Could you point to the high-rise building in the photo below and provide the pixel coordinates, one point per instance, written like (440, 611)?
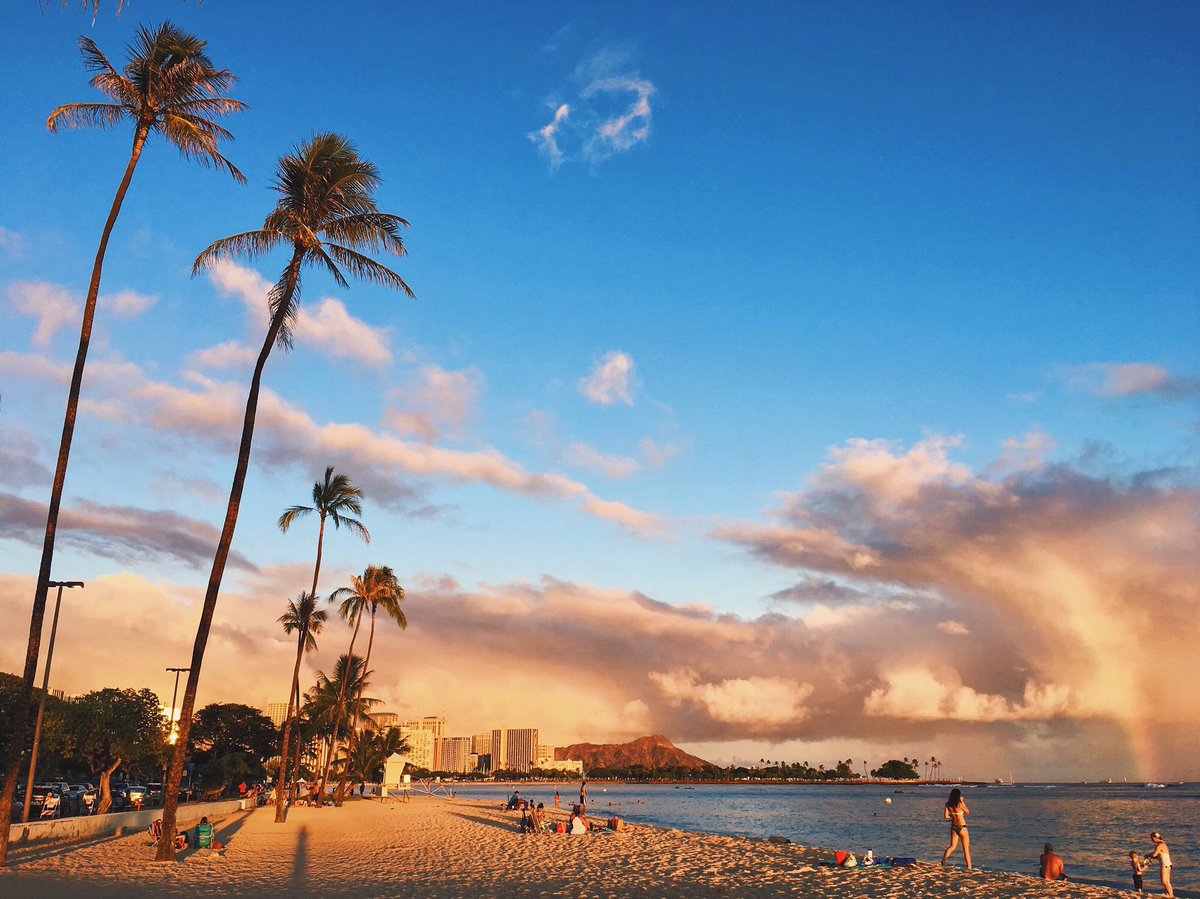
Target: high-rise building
(481, 744)
(384, 720)
(513, 749)
(454, 755)
(545, 754)
(435, 726)
(277, 711)
(420, 748)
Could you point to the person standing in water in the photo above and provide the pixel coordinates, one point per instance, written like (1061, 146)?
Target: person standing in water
(1163, 854)
(956, 812)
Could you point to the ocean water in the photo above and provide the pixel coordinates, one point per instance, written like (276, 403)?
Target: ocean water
(1093, 826)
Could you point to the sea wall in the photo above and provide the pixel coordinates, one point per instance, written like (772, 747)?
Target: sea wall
(66, 830)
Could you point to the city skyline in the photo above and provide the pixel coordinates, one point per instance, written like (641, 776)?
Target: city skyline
(796, 382)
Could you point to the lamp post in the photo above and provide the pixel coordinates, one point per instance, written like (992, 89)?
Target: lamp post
(37, 730)
(174, 736)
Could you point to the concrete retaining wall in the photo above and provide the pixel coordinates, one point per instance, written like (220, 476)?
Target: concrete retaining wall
(65, 830)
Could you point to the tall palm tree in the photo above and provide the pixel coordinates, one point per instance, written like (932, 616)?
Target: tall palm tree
(168, 87)
(325, 703)
(305, 620)
(365, 762)
(356, 601)
(332, 500)
(385, 593)
(325, 210)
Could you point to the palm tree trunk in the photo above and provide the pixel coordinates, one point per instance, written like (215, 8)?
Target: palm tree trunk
(352, 737)
(23, 708)
(287, 732)
(337, 714)
(294, 707)
(299, 745)
(166, 847)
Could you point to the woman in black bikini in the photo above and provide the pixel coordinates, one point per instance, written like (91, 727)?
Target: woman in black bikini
(956, 812)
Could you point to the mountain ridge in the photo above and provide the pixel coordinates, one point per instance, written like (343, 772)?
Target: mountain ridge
(653, 751)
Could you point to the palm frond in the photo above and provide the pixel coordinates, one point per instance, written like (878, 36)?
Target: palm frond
(291, 515)
(198, 142)
(321, 256)
(367, 269)
(86, 115)
(354, 526)
(249, 243)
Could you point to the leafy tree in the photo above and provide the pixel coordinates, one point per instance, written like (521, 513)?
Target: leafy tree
(367, 757)
(896, 769)
(326, 210)
(108, 728)
(226, 728)
(168, 87)
(332, 500)
(305, 620)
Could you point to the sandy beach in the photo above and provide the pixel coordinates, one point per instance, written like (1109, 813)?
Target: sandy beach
(445, 848)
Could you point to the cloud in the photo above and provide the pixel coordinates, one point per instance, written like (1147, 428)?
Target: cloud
(770, 701)
(545, 137)
(623, 130)
(657, 455)
(611, 381)
(123, 533)
(616, 468)
(436, 402)
(1050, 564)
(916, 693)
(52, 305)
(12, 244)
(1133, 379)
(286, 435)
(328, 328)
(609, 112)
(128, 303)
(230, 354)
(19, 465)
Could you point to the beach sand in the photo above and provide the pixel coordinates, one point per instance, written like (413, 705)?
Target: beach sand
(445, 848)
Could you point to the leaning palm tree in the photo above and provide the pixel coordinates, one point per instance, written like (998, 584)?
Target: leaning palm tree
(326, 209)
(305, 620)
(332, 500)
(387, 594)
(168, 87)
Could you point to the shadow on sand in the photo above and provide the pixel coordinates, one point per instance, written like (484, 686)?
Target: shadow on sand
(300, 864)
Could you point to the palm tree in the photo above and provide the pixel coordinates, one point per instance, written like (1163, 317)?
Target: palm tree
(168, 87)
(305, 620)
(365, 762)
(331, 500)
(383, 592)
(326, 705)
(326, 208)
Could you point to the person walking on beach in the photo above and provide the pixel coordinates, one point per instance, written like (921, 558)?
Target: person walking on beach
(557, 800)
(1139, 866)
(1163, 854)
(1052, 864)
(583, 796)
(956, 812)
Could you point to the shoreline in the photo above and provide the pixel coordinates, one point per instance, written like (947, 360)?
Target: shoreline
(444, 848)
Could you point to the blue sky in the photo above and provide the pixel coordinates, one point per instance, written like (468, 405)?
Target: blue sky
(963, 236)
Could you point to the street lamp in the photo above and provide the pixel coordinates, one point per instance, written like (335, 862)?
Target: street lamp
(174, 736)
(37, 730)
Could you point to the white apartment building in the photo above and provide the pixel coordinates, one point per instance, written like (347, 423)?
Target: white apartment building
(277, 712)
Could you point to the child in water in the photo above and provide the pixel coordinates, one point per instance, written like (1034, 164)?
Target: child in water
(1139, 868)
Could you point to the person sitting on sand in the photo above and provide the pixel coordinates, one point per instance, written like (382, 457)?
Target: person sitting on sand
(1163, 854)
(578, 823)
(536, 818)
(956, 812)
(513, 801)
(1052, 864)
(1139, 866)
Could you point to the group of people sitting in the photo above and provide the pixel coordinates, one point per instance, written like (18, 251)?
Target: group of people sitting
(533, 818)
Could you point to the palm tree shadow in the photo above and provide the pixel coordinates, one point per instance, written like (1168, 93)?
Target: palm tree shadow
(490, 822)
(300, 863)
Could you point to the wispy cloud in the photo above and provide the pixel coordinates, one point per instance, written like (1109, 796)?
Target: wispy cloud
(611, 381)
(124, 533)
(53, 306)
(616, 468)
(12, 244)
(605, 111)
(1132, 379)
(230, 354)
(128, 303)
(435, 402)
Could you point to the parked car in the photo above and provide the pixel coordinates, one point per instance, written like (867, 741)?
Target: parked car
(135, 794)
